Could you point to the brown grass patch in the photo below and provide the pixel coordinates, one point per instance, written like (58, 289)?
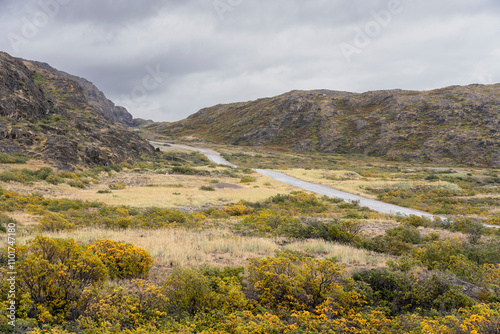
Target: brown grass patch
(220, 248)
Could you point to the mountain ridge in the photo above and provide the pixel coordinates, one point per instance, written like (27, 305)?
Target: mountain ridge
(456, 124)
(95, 97)
(48, 116)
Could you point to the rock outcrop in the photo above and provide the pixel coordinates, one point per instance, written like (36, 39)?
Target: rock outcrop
(94, 96)
(47, 115)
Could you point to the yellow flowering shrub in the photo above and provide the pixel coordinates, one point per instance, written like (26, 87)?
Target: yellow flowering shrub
(51, 275)
(238, 209)
(122, 260)
(54, 222)
(294, 282)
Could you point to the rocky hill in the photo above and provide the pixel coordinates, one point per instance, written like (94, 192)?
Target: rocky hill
(450, 125)
(93, 96)
(49, 115)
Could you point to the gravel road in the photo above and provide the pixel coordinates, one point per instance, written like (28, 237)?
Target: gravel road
(316, 188)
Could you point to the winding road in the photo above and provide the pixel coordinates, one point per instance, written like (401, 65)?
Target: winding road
(375, 205)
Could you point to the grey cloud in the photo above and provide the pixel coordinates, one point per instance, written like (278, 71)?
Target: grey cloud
(259, 48)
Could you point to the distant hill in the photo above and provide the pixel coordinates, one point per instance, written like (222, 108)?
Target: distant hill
(61, 118)
(450, 125)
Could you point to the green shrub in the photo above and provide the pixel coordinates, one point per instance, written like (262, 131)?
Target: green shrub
(13, 158)
(297, 201)
(405, 233)
(449, 256)
(248, 179)
(63, 204)
(192, 291)
(53, 179)
(385, 244)
(76, 184)
(403, 263)
(5, 221)
(188, 170)
(117, 168)
(416, 221)
(207, 188)
(17, 175)
(165, 215)
(473, 228)
(400, 292)
(43, 173)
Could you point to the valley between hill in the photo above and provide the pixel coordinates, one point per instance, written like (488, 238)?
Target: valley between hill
(105, 234)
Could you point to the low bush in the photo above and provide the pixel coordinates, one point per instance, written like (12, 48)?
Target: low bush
(385, 244)
(493, 221)
(117, 186)
(335, 231)
(51, 275)
(188, 170)
(416, 221)
(248, 179)
(473, 228)
(76, 184)
(122, 260)
(239, 209)
(406, 233)
(18, 175)
(401, 293)
(297, 202)
(5, 221)
(52, 222)
(396, 241)
(295, 282)
(190, 291)
(13, 158)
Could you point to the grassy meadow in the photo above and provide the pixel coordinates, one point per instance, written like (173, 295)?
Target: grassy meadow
(177, 244)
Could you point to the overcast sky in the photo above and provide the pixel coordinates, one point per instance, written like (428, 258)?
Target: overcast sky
(166, 59)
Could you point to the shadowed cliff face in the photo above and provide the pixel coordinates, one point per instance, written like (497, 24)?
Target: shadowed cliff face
(49, 116)
(449, 125)
(20, 97)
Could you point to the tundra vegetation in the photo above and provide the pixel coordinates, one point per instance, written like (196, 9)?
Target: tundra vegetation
(290, 262)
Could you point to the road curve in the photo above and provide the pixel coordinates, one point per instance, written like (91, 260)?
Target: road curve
(375, 205)
(330, 192)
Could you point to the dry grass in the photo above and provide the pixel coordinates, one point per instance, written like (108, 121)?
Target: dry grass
(354, 183)
(178, 191)
(25, 220)
(220, 248)
(149, 189)
(30, 164)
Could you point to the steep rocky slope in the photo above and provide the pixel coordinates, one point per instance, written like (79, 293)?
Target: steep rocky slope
(47, 115)
(93, 95)
(450, 125)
